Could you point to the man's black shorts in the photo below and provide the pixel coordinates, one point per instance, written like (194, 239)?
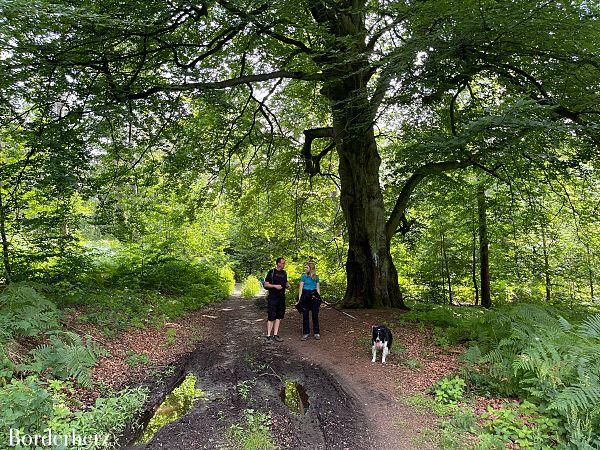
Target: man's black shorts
(275, 307)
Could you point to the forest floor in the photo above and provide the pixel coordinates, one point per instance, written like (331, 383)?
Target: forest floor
(353, 403)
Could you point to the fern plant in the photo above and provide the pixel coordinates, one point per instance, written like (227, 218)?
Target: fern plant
(554, 363)
(66, 356)
(24, 312)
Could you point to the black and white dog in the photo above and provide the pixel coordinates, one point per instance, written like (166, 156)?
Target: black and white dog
(382, 340)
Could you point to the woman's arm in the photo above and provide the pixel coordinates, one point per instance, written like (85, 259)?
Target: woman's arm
(319, 288)
(300, 286)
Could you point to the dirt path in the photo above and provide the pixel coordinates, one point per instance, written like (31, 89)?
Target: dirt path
(353, 404)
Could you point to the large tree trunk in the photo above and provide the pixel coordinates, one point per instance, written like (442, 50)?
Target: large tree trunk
(371, 276)
(486, 298)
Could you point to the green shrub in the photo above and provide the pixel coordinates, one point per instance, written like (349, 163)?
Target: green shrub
(108, 416)
(250, 287)
(227, 280)
(116, 309)
(449, 390)
(7, 367)
(412, 363)
(25, 406)
(524, 426)
(134, 359)
(171, 276)
(535, 353)
(441, 338)
(243, 388)
(29, 408)
(170, 336)
(168, 276)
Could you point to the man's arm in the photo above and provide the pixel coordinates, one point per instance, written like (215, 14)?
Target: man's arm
(269, 280)
(268, 283)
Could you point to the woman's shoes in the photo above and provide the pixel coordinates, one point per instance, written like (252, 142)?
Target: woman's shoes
(305, 337)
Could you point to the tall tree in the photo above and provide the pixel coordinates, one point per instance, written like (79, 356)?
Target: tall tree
(364, 56)
(484, 259)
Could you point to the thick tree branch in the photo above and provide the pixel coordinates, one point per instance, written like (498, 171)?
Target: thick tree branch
(222, 84)
(312, 163)
(383, 84)
(398, 214)
(375, 37)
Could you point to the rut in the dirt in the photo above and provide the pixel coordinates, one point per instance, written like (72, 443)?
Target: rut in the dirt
(233, 353)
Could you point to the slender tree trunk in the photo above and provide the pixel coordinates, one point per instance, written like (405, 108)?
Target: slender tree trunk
(445, 257)
(442, 275)
(546, 264)
(474, 260)
(5, 250)
(590, 271)
(486, 298)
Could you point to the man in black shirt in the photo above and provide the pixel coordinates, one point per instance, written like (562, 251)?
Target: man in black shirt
(276, 283)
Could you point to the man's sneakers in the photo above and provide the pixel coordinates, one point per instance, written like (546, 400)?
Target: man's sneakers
(277, 338)
(268, 339)
(274, 338)
(317, 336)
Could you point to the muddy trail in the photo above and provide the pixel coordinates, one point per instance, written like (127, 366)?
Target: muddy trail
(233, 353)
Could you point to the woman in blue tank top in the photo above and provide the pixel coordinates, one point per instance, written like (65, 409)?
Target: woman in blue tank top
(309, 296)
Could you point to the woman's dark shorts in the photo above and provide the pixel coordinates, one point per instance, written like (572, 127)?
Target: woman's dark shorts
(275, 308)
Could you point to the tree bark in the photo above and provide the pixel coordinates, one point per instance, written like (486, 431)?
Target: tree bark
(5, 245)
(546, 264)
(372, 279)
(446, 266)
(442, 274)
(486, 298)
(474, 260)
(590, 271)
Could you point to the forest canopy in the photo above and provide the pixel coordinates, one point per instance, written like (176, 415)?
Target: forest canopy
(444, 151)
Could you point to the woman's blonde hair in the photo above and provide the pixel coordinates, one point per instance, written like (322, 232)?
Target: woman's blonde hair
(312, 273)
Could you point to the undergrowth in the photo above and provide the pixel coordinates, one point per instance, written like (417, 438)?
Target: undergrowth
(31, 406)
(548, 357)
(37, 353)
(254, 433)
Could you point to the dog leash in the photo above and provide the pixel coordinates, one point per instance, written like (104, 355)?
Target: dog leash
(349, 315)
(338, 310)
